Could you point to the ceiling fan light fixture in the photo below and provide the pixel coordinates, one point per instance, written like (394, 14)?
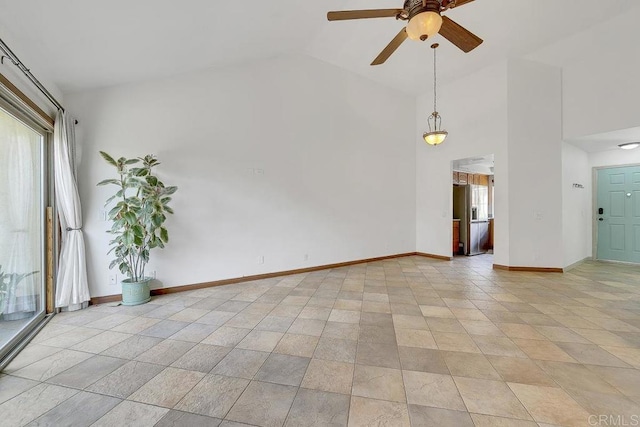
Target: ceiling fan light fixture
(424, 25)
(629, 145)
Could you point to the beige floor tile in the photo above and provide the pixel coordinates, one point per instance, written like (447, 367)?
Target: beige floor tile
(28, 406)
(378, 354)
(415, 338)
(297, 345)
(602, 337)
(486, 328)
(551, 405)
(435, 311)
(52, 365)
(326, 375)
(480, 327)
(226, 336)
(345, 304)
(32, 353)
(490, 398)
(166, 352)
(469, 314)
(628, 355)
(275, 324)
(560, 334)
(370, 413)
(427, 416)
(287, 311)
(260, 340)
(402, 321)
(335, 349)
(452, 326)
(346, 331)
(318, 313)
(311, 327)
(470, 365)
(607, 404)
(625, 380)
(543, 350)
(489, 421)
(436, 390)
(573, 376)
(201, 358)
(189, 315)
(167, 388)
(136, 325)
(375, 307)
(314, 408)
(423, 360)
(591, 354)
(378, 383)
(498, 346)
(517, 330)
(524, 371)
(455, 342)
(344, 316)
(213, 396)
(376, 297)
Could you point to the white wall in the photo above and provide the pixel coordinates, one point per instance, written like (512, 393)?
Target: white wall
(336, 150)
(576, 205)
(600, 68)
(474, 111)
(614, 158)
(535, 164)
(17, 78)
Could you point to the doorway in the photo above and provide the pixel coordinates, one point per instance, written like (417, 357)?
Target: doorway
(23, 201)
(618, 214)
(473, 205)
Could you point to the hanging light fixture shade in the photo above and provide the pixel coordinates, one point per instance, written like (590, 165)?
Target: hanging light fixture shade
(435, 135)
(424, 25)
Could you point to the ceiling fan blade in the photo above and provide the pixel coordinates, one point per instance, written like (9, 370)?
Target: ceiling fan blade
(362, 14)
(458, 35)
(461, 2)
(391, 47)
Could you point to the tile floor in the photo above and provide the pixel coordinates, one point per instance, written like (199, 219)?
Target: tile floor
(409, 341)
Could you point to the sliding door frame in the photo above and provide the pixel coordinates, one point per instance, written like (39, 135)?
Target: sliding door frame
(17, 105)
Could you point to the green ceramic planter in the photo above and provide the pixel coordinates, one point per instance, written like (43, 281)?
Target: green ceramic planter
(136, 293)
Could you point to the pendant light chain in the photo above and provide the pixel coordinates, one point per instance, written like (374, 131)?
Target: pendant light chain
(434, 79)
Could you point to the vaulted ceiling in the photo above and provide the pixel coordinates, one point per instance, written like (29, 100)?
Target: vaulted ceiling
(82, 44)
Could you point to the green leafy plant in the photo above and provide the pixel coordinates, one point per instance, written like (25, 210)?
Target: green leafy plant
(141, 208)
(8, 285)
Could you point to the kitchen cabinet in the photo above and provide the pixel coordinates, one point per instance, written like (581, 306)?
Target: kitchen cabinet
(462, 178)
(455, 177)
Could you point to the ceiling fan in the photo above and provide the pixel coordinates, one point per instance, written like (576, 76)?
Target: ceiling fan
(424, 20)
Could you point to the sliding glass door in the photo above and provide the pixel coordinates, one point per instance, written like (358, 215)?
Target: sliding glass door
(22, 228)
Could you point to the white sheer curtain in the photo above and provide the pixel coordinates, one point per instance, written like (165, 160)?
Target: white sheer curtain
(72, 289)
(22, 228)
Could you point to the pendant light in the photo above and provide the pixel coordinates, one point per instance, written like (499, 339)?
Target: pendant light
(436, 135)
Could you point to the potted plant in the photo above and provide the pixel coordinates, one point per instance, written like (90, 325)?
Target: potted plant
(141, 208)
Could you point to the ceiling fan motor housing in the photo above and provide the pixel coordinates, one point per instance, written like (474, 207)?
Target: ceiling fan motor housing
(415, 7)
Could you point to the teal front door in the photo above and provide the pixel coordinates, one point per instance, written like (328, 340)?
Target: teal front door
(618, 214)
